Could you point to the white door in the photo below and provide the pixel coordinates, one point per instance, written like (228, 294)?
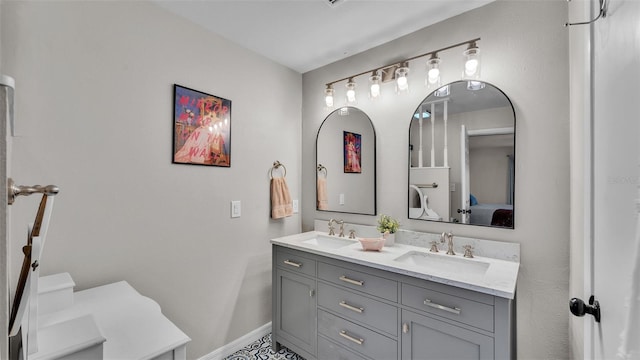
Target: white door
(615, 169)
(464, 175)
(4, 221)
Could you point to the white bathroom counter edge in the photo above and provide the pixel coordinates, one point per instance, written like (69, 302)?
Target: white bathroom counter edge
(499, 280)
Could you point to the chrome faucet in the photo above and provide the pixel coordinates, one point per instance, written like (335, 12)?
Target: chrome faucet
(331, 228)
(448, 237)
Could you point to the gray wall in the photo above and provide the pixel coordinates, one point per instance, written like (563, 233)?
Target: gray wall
(525, 53)
(94, 108)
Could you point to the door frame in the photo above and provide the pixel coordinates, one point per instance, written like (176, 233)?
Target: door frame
(4, 223)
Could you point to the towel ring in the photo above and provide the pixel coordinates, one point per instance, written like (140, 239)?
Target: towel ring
(321, 168)
(276, 165)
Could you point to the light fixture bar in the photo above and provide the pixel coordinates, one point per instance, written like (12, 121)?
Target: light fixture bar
(397, 64)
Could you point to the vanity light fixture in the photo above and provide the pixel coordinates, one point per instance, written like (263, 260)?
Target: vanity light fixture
(351, 92)
(402, 83)
(471, 56)
(374, 84)
(328, 96)
(399, 72)
(433, 72)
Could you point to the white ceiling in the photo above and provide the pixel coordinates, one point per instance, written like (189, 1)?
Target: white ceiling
(307, 34)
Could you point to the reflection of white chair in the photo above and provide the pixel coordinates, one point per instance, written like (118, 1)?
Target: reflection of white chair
(422, 212)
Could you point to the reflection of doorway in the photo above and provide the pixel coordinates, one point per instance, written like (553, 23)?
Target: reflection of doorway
(486, 156)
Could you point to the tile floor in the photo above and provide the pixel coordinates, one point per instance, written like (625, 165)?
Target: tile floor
(261, 350)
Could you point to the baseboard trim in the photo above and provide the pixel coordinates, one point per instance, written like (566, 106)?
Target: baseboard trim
(237, 344)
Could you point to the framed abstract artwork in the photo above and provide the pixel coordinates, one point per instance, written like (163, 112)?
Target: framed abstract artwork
(201, 128)
(352, 152)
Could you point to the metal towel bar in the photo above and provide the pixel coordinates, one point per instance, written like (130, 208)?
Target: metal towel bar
(276, 165)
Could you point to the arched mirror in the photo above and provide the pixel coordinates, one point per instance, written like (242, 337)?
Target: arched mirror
(462, 156)
(346, 163)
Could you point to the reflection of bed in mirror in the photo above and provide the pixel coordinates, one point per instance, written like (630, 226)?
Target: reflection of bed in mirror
(492, 214)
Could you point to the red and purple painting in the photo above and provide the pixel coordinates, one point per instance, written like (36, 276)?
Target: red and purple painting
(202, 128)
(352, 152)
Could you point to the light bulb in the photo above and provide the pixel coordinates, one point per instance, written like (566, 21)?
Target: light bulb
(374, 88)
(351, 91)
(328, 100)
(471, 57)
(470, 67)
(328, 96)
(402, 84)
(351, 95)
(434, 75)
(433, 72)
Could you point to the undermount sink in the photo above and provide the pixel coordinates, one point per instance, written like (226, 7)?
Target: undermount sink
(444, 263)
(329, 242)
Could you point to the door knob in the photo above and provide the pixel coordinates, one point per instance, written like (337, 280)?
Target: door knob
(14, 190)
(579, 308)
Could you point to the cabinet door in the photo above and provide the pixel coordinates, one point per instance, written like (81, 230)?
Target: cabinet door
(296, 311)
(427, 338)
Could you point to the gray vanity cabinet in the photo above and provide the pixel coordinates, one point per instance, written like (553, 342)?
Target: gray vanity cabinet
(294, 303)
(328, 309)
(427, 338)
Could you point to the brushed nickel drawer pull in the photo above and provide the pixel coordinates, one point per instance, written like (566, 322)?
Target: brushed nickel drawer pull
(351, 307)
(294, 264)
(351, 281)
(442, 307)
(351, 338)
(405, 328)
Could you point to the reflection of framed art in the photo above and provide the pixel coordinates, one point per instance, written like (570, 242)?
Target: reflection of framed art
(352, 152)
(201, 128)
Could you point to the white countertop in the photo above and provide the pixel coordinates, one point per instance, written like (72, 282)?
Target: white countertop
(499, 279)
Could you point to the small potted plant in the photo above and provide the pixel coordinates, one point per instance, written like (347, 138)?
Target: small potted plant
(388, 226)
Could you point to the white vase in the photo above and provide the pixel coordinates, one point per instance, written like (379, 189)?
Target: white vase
(389, 239)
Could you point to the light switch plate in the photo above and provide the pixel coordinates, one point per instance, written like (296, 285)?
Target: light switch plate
(295, 206)
(341, 199)
(236, 208)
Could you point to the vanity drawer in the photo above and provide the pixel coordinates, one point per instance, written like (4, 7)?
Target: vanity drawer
(476, 314)
(355, 337)
(330, 351)
(359, 308)
(360, 281)
(292, 261)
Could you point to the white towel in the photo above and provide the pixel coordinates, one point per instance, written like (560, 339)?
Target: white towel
(630, 345)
